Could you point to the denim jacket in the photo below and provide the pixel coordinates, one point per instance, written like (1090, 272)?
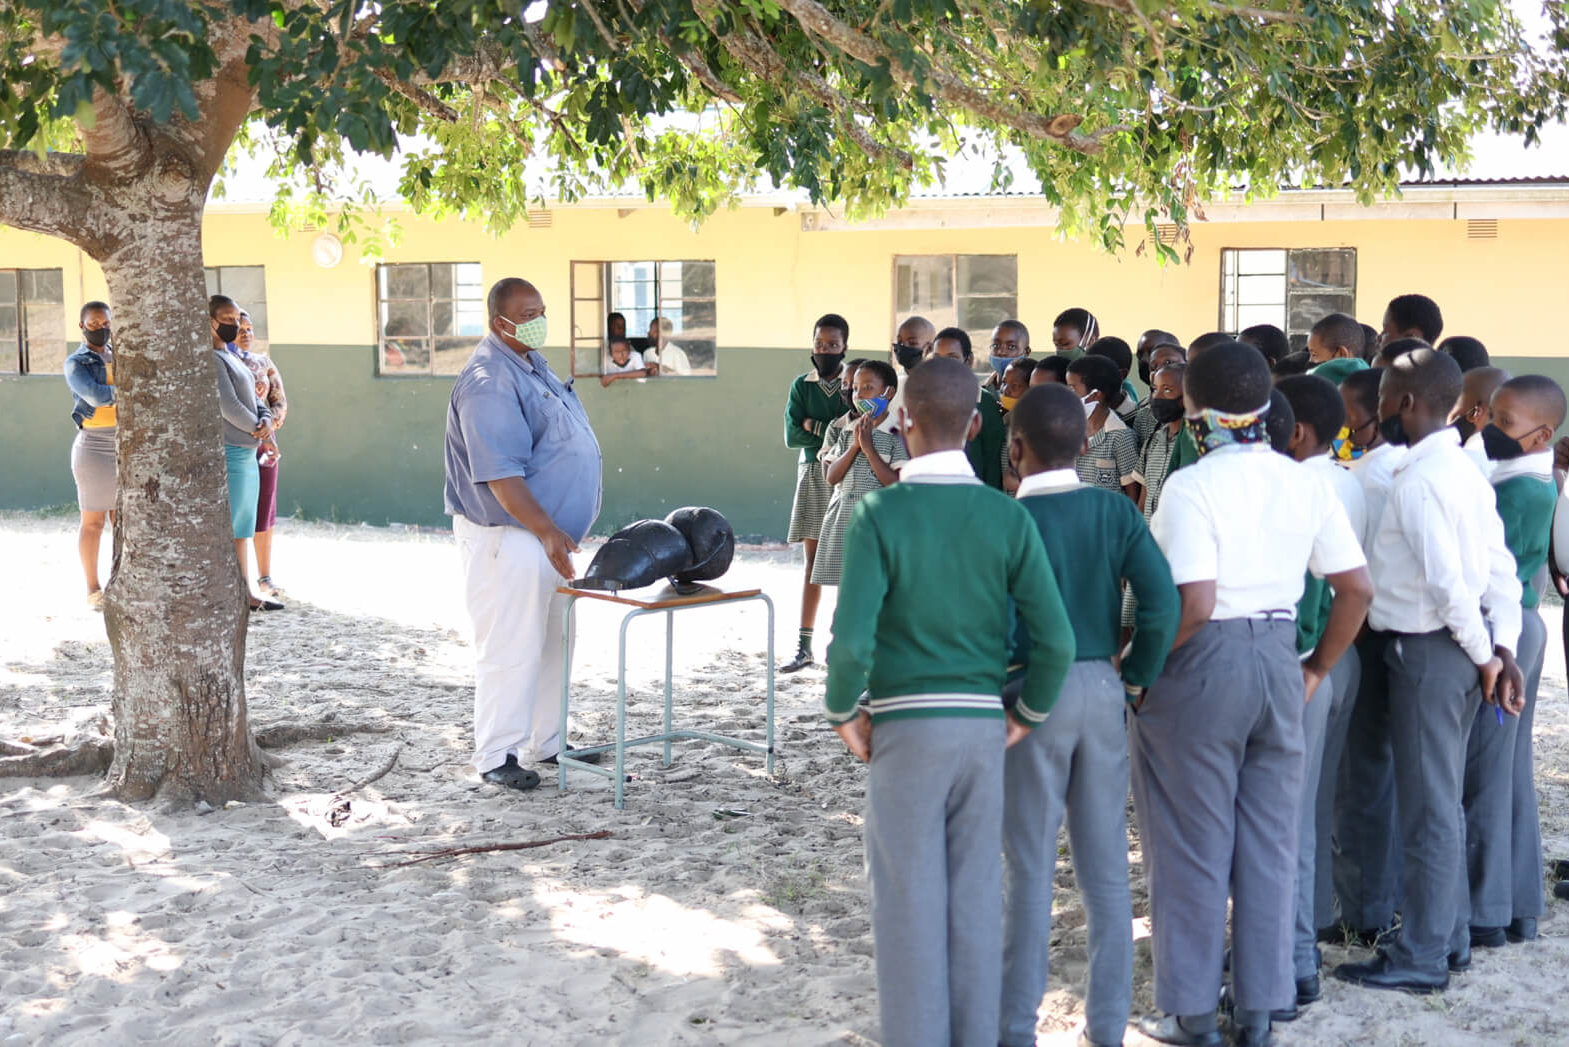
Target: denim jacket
(87, 377)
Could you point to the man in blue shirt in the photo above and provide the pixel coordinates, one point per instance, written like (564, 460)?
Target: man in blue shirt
(523, 488)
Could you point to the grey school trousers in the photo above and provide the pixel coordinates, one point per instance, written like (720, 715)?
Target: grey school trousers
(1503, 841)
(1322, 716)
(1346, 678)
(1077, 759)
(1434, 693)
(1217, 772)
(934, 861)
(1367, 837)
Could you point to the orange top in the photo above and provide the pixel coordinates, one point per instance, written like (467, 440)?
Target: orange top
(103, 417)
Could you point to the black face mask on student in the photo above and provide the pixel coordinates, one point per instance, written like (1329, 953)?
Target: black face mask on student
(907, 355)
(97, 337)
(1499, 445)
(1144, 371)
(827, 364)
(1466, 428)
(1166, 411)
(1394, 430)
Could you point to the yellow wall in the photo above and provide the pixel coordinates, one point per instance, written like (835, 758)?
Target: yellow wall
(774, 279)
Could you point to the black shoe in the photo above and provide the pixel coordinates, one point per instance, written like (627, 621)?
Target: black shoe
(1248, 1037)
(803, 658)
(1167, 1029)
(1357, 937)
(512, 776)
(1559, 868)
(264, 603)
(1488, 938)
(1521, 930)
(576, 754)
(1460, 961)
(1383, 973)
(1307, 990)
(1285, 1014)
(1561, 890)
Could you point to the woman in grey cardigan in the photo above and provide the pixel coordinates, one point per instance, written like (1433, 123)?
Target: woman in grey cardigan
(247, 423)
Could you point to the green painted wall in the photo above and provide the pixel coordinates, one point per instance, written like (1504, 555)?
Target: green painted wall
(361, 448)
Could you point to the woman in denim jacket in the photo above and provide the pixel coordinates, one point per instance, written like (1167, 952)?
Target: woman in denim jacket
(89, 372)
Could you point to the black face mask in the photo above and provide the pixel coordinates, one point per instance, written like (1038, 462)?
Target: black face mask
(907, 355)
(1466, 428)
(1144, 372)
(1166, 411)
(1394, 430)
(97, 337)
(228, 332)
(827, 364)
(1499, 445)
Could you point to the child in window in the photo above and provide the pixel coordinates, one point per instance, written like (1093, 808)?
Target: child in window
(625, 362)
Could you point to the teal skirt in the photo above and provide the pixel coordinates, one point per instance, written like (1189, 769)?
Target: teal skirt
(244, 485)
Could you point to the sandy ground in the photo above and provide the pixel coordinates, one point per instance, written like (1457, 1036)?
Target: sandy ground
(726, 908)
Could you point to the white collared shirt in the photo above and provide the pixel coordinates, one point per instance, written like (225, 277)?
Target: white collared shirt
(939, 465)
(1254, 522)
(1051, 481)
(1376, 471)
(1439, 558)
(1476, 450)
(1538, 464)
(1347, 488)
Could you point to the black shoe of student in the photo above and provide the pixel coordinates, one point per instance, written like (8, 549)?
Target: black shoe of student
(1285, 1014)
(1460, 960)
(1561, 890)
(1167, 1029)
(1558, 868)
(1521, 930)
(576, 754)
(1381, 972)
(1243, 1036)
(512, 776)
(1488, 938)
(803, 658)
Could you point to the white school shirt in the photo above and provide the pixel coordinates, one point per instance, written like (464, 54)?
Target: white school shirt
(634, 363)
(946, 465)
(1348, 489)
(1255, 522)
(1438, 559)
(1477, 451)
(1376, 471)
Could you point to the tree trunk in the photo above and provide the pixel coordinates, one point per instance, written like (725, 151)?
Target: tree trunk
(176, 604)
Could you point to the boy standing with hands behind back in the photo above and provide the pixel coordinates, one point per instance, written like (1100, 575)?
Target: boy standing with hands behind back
(925, 634)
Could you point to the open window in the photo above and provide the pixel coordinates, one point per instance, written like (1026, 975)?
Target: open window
(1291, 288)
(653, 318)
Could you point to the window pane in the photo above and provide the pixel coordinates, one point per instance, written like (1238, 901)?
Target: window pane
(1335, 268)
(982, 314)
(452, 353)
(8, 286)
(1261, 290)
(988, 274)
(10, 335)
(441, 313)
(45, 329)
(404, 281)
(212, 280)
(246, 284)
(1248, 315)
(587, 280)
(258, 313)
(43, 285)
(697, 280)
(441, 285)
(403, 319)
(1251, 263)
(1309, 309)
(405, 356)
(922, 284)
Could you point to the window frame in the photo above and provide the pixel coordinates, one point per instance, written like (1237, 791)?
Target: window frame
(263, 329)
(950, 318)
(593, 338)
(429, 337)
(19, 351)
(1233, 325)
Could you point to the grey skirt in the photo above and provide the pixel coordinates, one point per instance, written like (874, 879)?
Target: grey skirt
(93, 466)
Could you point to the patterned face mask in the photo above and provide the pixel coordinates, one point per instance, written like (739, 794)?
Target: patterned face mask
(1343, 449)
(1214, 429)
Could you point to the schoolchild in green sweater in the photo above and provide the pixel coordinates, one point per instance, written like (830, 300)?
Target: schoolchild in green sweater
(922, 630)
(816, 398)
(1503, 833)
(986, 448)
(1078, 760)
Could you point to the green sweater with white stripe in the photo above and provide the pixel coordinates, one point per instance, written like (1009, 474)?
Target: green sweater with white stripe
(923, 618)
(1525, 505)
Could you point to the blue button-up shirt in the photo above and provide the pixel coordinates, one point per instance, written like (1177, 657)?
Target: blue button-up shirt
(511, 416)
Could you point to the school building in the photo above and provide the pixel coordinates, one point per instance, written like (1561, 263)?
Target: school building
(367, 351)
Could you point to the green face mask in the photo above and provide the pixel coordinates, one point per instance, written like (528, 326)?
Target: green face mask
(530, 332)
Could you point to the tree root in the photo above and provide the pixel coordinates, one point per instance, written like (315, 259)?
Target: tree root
(488, 848)
(92, 756)
(282, 735)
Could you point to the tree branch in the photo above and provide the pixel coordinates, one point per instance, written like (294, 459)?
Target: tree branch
(117, 147)
(420, 97)
(45, 196)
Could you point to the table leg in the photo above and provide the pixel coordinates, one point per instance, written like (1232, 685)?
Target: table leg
(566, 686)
(770, 712)
(670, 626)
(621, 713)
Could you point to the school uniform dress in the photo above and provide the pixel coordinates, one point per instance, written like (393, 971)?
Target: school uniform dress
(1217, 744)
(847, 493)
(1077, 762)
(1112, 457)
(925, 635)
(988, 452)
(1154, 465)
(817, 398)
(509, 415)
(1438, 560)
(1324, 723)
(1503, 834)
(1143, 424)
(90, 377)
(1366, 862)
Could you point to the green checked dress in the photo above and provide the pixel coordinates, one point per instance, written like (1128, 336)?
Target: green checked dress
(828, 566)
(816, 398)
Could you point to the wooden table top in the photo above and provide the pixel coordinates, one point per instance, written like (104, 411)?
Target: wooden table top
(664, 597)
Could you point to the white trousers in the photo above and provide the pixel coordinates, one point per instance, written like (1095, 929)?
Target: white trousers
(510, 589)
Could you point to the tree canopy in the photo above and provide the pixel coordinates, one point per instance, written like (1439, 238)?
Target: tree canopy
(1128, 111)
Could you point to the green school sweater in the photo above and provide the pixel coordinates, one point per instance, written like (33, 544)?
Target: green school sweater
(1094, 539)
(1337, 369)
(923, 624)
(985, 451)
(1525, 504)
(808, 400)
(1184, 452)
(1313, 612)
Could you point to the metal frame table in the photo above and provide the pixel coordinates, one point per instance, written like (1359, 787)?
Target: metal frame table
(666, 602)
